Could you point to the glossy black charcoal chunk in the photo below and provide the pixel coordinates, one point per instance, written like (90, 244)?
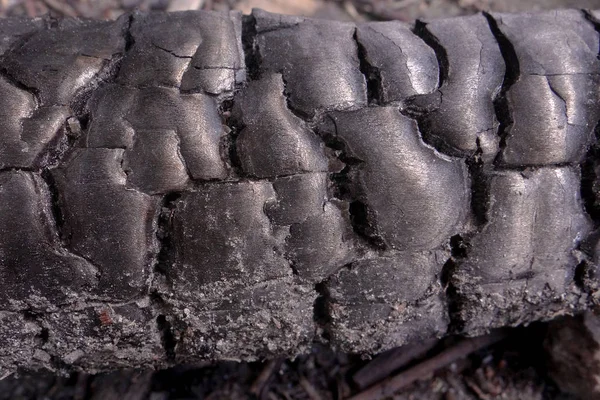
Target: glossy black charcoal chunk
(369, 185)
(462, 118)
(107, 223)
(193, 51)
(318, 60)
(555, 103)
(416, 198)
(406, 65)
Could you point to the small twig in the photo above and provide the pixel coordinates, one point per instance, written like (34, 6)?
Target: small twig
(30, 9)
(462, 349)
(390, 361)
(60, 7)
(351, 11)
(402, 4)
(260, 382)
(473, 386)
(6, 375)
(309, 389)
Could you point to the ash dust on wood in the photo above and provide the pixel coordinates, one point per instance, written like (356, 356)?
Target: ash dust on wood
(508, 364)
(512, 367)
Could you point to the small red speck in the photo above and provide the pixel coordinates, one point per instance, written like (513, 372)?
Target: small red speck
(105, 318)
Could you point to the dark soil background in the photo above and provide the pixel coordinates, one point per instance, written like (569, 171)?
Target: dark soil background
(517, 366)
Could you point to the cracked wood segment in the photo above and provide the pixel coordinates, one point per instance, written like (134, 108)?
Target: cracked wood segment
(41, 77)
(154, 163)
(107, 223)
(28, 132)
(462, 118)
(388, 301)
(415, 197)
(35, 270)
(230, 269)
(16, 30)
(224, 224)
(272, 318)
(406, 64)
(318, 60)
(190, 123)
(56, 63)
(274, 141)
(192, 50)
(320, 239)
(555, 104)
(524, 258)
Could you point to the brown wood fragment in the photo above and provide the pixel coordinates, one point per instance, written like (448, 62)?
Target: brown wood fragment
(262, 379)
(426, 368)
(61, 7)
(310, 390)
(387, 363)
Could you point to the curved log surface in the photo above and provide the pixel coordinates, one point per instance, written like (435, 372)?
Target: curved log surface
(196, 185)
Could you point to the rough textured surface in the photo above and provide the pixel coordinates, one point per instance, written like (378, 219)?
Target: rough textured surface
(412, 205)
(96, 207)
(556, 91)
(459, 117)
(191, 51)
(525, 253)
(381, 301)
(403, 62)
(189, 186)
(274, 141)
(318, 60)
(133, 119)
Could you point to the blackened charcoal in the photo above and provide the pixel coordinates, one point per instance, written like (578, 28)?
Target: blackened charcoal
(555, 104)
(406, 65)
(225, 225)
(15, 31)
(187, 125)
(384, 302)
(320, 238)
(274, 141)
(107, 223)
(463, 119)
(525, 255)
(29, 133)
(192, 50)
(416, 198)
(367, 184)
(36, 271)
(57, 63)
(318, 60)
(230, 276)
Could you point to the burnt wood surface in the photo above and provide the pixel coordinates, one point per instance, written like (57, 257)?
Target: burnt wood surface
(196, 185)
